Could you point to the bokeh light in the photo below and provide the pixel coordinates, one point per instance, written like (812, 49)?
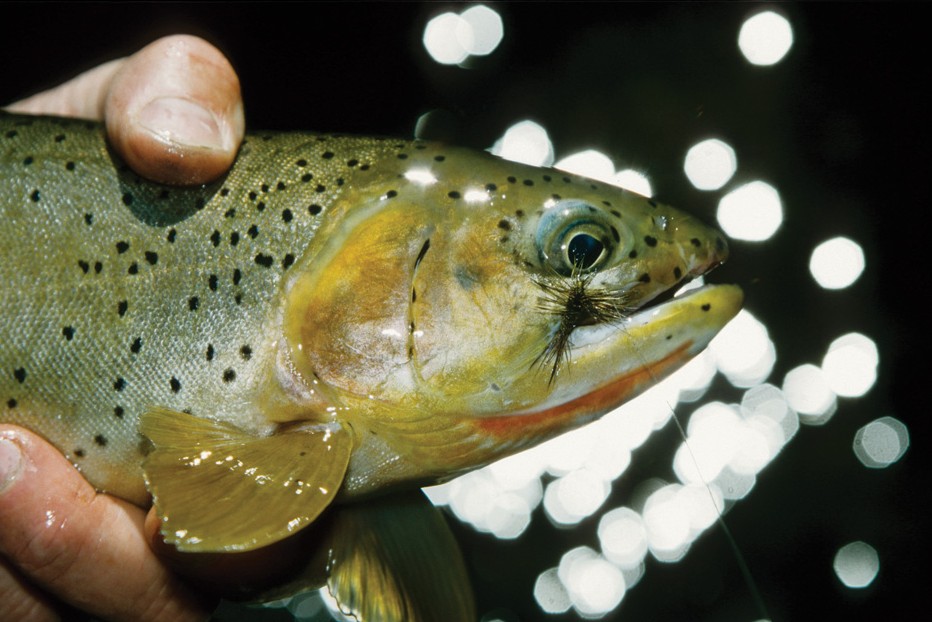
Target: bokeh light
(526, 142)
(752, 212)
(633, 180)
(623, 537)
(589, 163)
(550, 593)
(850, 365)
(450, 38)
(881, 442)
(743, 351)
(808, 393)
(710, 164)
(765, 38)
(836, 263)
(856, 564)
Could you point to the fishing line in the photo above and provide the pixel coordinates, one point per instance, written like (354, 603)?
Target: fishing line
(720, 517)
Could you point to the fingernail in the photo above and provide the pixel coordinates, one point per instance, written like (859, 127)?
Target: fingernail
(11, 463)
(183, 122)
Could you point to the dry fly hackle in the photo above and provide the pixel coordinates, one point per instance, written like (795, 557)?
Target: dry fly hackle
(575, 302)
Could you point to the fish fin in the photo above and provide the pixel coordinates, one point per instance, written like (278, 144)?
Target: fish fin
(217, 488)
(394, 559)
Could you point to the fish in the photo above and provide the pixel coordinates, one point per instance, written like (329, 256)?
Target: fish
(335, 319)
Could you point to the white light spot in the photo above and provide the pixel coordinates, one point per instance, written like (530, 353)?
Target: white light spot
(420, 176)
(623, 537)
(526, 142)
(487, 29)
(734, 485)
(597, 587)
(633, 180)
(836, 263)
(667, 523)
(856, 564)
(589, 163)
(710, 164)
(765, 38)
(807, 392)
(881, 442)
(575, 496)
(850, 365)
(476, 196)
(550, 594)
(767, 401)
(446, 38)
(743, 351)
(751, 212)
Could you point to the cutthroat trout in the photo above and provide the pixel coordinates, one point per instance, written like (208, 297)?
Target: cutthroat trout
(334, 318)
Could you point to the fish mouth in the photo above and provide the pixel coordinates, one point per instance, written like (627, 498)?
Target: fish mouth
(648, 343)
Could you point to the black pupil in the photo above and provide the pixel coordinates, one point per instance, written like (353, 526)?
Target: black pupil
(584, 250)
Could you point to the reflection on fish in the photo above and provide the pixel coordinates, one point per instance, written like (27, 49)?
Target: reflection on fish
(335, 318)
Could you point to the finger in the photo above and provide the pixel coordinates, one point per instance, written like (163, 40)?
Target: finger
(19, 600)
(85, 548)
(82, 96)
(174, 111)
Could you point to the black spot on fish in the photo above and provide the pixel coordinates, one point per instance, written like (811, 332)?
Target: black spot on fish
(89, 219)
(34, 196)
(402, 156)
(327, 155)
(20, 374)
(215, 238)
(11, 403)
(615, 234)
(650, 240)
(504, 224)
(306, 177)
(212, 282)
(519, 213)
(677, 273)
(453, 194)
(280, 185)
(644, 278)
(260, 206)
(224, 192)
(28, 160)
(352, 163)
(287, 261)
(245, 352)
(512, 179)
(152, 257)
(230, 213)
(301, 162)
(391, 194)
(229, 375)
(706, 307)
(424, 248)
(119, 384)
(265, 188)
(84, 266)
(174, 384)
(136, 345)
(101, 440)
(68, 332)
(439, 158)
(632, 254)
(615, 213)
(98, 267)
(118, 412)
(133, 268)
(171, 236)
(320, 188)
(122, 306)
(122, 247)
(69, 166)
(11, 134)
(695, 242)
(210, 352)
(254, 230)
(127, 199)
(237, 276)
(651, 203)
(528, 182)
(193, 303)
(546, 178)
(287, 215)
(555, 197)
(491, 187)
(234, 238)
(238, 298)
(719, 244)
(78, 453)
(253, 196)
(314, 209)
(264, 260)
(59, 138)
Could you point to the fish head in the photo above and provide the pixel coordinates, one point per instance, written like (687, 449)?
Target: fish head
(462, 313)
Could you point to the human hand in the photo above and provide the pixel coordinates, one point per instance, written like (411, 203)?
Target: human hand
(174, 112)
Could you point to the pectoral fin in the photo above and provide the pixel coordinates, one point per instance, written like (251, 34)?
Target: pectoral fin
(217, 488)
(394, 559)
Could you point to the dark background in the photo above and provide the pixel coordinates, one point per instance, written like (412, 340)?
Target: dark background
(838, 127)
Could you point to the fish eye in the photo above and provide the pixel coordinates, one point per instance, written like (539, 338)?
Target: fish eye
(573, 236)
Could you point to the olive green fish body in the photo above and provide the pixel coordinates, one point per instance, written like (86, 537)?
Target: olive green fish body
(335, 317)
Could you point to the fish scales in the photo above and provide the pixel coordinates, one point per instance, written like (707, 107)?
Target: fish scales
(128, 295)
